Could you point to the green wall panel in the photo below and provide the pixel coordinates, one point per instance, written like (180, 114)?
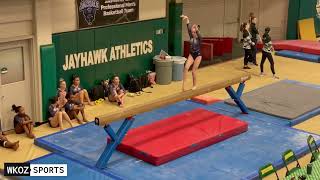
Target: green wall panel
(175, 28)
(107, 37)
(293, 17)
(71, 44)
(48, 76)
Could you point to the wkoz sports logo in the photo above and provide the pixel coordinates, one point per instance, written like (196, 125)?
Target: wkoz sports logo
(88, 8)
(27, 169)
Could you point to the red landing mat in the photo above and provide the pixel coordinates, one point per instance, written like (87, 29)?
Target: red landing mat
(179, 135)
(205, 99)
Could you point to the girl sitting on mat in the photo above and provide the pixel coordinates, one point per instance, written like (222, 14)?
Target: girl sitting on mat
(247, 43)
(195, 57)
(57, 114)
(266, 52)
(72, 107)
(22, 122)
(77, 93)
(4, 142)
(116, 91)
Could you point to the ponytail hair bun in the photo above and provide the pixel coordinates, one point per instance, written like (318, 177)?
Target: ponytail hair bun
(15, 108)
(243, 26)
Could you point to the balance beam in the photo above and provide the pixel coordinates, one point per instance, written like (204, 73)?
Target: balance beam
(232, 78)
(168, 100)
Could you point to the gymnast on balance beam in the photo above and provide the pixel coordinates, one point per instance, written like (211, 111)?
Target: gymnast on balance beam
(195, 52)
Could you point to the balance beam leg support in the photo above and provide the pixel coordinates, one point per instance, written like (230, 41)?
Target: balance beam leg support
(240, 89)
(236, 96)
(116, 139)
(111, 133)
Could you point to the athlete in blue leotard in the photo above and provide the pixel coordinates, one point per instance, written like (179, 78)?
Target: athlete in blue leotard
(195, 52)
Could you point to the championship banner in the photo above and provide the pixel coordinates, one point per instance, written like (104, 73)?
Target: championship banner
(93, 13)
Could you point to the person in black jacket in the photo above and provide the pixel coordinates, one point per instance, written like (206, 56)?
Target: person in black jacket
(246, 44)
(251, 15)
(255, 36)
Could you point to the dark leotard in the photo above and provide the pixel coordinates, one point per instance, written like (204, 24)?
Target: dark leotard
(195, 43)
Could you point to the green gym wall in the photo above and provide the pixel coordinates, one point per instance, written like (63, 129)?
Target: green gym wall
(98, 38)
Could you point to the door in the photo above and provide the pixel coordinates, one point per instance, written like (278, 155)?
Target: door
(15, 80)
(231, 18)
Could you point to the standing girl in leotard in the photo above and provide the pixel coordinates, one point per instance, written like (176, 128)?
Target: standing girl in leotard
(195, 52)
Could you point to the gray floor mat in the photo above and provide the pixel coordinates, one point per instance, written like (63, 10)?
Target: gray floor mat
(283, 99)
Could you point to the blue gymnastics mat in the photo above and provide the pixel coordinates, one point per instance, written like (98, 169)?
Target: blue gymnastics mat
(76, 170)
(298, 55)
(231, 159)
(286, 99)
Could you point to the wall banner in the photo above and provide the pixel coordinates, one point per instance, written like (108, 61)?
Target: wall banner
(93, 13)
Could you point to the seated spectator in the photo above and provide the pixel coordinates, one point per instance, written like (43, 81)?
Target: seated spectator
(77, 93)
(116, 91)
(22, 122)
(4, 142)
(57, 114)
(72, 107)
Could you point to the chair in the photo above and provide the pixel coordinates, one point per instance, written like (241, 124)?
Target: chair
(288, 157)
(267, 170)
(314, 149)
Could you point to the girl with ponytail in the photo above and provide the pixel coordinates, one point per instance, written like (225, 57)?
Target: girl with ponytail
(22, 122)
(195, 57)
(266, 53)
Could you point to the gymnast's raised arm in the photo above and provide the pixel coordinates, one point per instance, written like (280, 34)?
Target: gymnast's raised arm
(188, 24)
